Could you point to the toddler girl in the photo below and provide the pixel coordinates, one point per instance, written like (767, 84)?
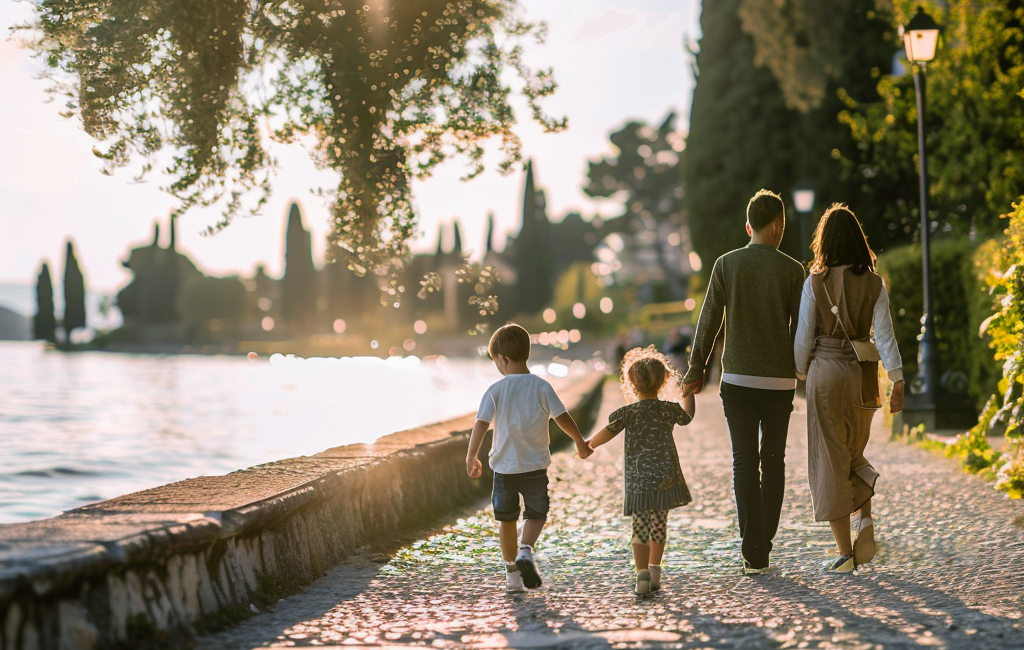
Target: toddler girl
(654, 480)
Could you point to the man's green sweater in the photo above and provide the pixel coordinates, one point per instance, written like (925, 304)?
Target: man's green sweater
(756, 291)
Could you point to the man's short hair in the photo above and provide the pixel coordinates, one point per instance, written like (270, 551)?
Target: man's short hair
(764, 208)
(512, 341)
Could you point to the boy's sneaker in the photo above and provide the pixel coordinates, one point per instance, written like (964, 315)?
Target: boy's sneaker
(528, 567)
(643, 582)
(514, 581)
(842, 564)
(864, 544)
(750, 570)
(655, 570)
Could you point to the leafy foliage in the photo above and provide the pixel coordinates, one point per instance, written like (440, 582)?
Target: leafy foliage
(380, 92)
(974, 125)
(959, 302)
(1006, 329)
(1002, 270)
(807, 45)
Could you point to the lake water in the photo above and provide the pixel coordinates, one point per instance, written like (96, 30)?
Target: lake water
(83, 427)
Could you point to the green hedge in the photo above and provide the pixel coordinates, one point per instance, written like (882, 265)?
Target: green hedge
(961, 303)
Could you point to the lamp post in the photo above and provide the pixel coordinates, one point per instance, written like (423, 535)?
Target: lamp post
(928, 403)
(803, 201)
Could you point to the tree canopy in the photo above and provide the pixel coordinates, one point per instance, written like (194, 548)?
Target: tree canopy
(645, 173)
(771, 85)
(974, 124)
(380, 92)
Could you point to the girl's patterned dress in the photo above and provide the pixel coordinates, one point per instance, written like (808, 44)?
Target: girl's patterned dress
(653, 478)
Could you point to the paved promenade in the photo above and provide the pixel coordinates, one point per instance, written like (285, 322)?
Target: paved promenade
(949, 572)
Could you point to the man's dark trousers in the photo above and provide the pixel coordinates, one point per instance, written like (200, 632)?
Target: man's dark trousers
(759, 467)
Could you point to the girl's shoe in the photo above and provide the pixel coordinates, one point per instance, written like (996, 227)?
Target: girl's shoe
(842, 564)
(643, 582)
(514, 581)
(864, 545)
(655, 570)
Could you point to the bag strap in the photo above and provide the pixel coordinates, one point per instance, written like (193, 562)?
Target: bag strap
(835, 311)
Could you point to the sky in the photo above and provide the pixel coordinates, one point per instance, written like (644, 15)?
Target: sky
(613, 61)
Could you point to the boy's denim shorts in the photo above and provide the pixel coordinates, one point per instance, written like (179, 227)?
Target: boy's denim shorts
(507, 488)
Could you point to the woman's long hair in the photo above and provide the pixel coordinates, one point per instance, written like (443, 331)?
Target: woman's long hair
(839, 240)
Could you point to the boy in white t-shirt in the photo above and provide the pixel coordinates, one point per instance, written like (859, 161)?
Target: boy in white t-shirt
(520, 405)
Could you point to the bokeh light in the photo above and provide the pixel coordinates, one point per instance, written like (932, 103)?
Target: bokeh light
(579, 310)
(267, 323)
(690, 303)
(549, 316)
(374, 345)
(575, 336)
(409, 345)
(607, 305)
(420, 327)
(695, 262)
(339, 326)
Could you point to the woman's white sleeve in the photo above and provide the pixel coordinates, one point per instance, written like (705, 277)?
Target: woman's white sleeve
(805, 329)
(885, 339)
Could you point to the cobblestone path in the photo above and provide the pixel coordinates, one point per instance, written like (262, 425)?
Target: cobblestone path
(949, 572)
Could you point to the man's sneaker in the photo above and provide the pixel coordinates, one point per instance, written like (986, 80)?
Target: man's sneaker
(643, 582)
(864, 544)
(750, 570)
(842, 564)
(528, 567)
(655, 576)
(514, 581)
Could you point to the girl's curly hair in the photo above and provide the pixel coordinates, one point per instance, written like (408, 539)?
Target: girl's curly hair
(646, 371)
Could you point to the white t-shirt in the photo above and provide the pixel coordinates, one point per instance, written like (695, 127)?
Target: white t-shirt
(520, 407)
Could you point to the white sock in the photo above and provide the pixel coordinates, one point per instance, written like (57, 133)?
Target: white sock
(511, 567)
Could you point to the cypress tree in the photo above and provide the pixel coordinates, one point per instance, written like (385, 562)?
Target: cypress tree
(299, 285)
(457, 246)
(74, 293)
(44, 325)
(741, 137)
(489, 245)
(532, 255)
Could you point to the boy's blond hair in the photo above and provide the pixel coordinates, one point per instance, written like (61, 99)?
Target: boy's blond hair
(512, 341)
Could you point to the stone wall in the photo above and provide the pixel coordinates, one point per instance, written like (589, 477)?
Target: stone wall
(153, 568)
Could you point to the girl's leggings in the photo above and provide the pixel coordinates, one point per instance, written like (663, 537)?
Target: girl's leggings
(650, 526)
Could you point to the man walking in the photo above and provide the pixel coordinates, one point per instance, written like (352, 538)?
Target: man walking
(756, 291)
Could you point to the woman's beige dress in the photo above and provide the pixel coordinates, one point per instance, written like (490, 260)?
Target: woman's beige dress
(838, 423)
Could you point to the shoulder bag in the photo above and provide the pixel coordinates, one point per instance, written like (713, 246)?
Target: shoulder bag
(867, 356)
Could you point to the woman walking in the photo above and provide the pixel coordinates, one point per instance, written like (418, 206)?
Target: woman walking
(844, 304)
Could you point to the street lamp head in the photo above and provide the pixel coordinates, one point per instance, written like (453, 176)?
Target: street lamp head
(920, 36)
(803, 197)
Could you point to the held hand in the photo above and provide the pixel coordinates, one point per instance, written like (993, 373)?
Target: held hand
(896, 398)
(692, 387)
(801, 377)
(584, 451)
(474, 468)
